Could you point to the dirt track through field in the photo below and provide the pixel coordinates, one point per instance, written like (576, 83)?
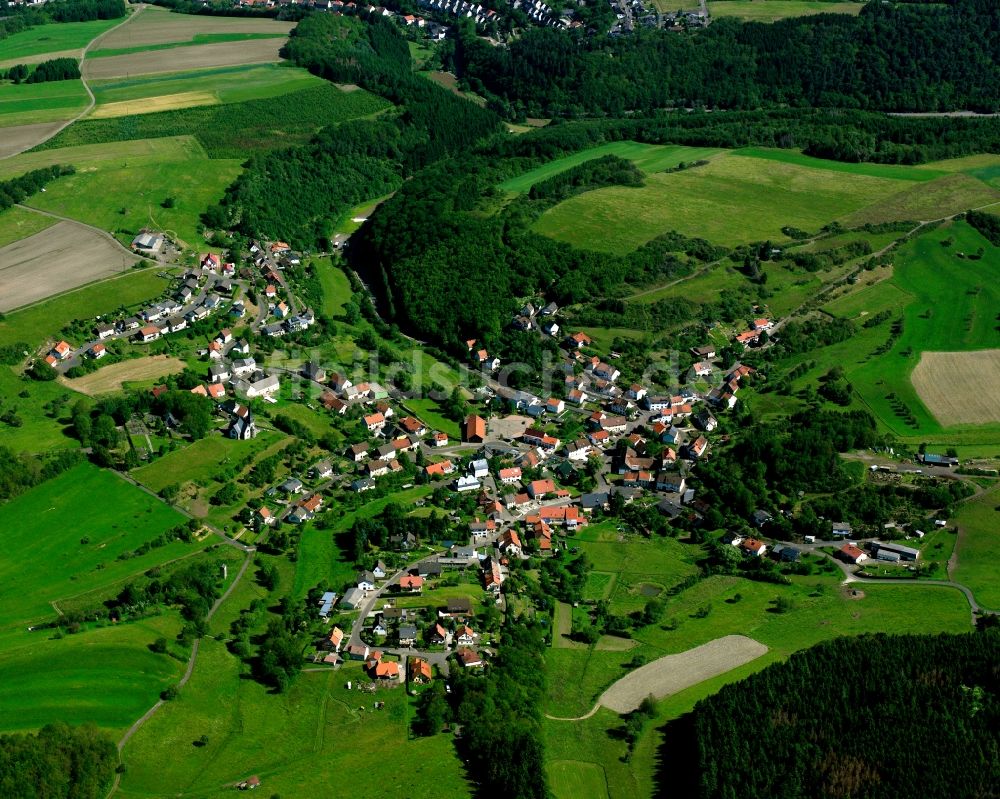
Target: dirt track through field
(201, 56)
(62, 257)
(960, 387)
(111, 378)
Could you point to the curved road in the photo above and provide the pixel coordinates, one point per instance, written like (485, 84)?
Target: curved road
(86, 86)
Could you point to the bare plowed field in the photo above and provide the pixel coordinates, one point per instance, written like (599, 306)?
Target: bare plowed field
(21, 137)
(960, 387)
(673, 673)
(157, 26)
(111, 378)
(58, 259)
(222, 54)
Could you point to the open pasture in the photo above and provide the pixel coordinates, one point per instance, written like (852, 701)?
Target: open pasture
(112, 378)
(772, 10)
(160, 26)
(952, 308)
(649, 158)
(121, 195)
(57, 259)
(960, 387)
(201, 56)
(152, 93)
(59, 542)
(35, 103)
(731, 200)
(944, 197)
(978, 522)
(53, 40)
(282, 737)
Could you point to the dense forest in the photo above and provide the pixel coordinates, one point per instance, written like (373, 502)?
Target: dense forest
(58, 762)
(881, 717)
(298, 194)
(892, 57)
(55, 69)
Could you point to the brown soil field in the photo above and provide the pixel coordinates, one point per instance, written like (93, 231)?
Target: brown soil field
(201, 56)
(158, 26)
(672, 673)
(20, 137)
(58, 259)
(960, 387)
(111, 378)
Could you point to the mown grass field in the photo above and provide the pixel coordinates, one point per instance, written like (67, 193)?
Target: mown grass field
(772, 10)
(649, 158)
(145, 94)
(233, 130)
(53, 38)
(283, 737)
(156, 26)
(121, 194)
(197, 39)
(336, 287)
(979, 548)
(430, 413)
(30, 104)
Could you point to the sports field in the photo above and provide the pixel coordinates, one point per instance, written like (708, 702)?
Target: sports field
(57, 259)
(151, 93)
(771, 10)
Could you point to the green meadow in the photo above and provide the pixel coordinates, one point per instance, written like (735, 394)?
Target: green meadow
(54, 38)
(34, 103)
(296, 742)
(336, 287)
(749, 195)
(731, 200)
(43, 410)
(947, 303)
(979, 547)
(226, 84)
(649, 158)
(60, 545)
(122, 194)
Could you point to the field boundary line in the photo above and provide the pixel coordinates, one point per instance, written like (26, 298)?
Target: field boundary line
(86, 86)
